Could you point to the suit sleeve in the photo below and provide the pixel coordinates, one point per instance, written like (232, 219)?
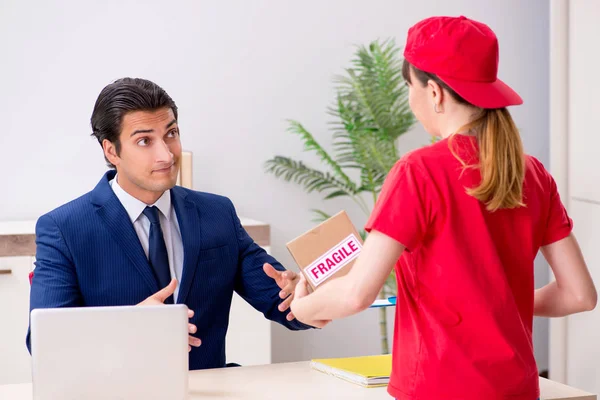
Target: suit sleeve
(54, 281)
(253, 285)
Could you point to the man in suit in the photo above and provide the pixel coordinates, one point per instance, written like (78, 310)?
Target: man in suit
(136, 238)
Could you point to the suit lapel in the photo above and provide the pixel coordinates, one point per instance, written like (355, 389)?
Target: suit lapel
(111, 212)
(188, 217)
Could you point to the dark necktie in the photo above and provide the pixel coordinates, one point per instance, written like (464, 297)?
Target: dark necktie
(158, 256)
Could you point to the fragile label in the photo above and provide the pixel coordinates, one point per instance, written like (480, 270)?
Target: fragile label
(334, 260)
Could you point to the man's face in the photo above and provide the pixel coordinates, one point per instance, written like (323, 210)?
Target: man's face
(148, 162)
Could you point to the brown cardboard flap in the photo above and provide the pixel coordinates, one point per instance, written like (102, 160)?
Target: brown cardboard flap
(328, 250)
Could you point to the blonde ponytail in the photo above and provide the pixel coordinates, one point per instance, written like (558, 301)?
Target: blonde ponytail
(501, 160)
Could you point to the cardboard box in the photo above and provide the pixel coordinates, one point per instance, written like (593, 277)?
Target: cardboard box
(328, 250)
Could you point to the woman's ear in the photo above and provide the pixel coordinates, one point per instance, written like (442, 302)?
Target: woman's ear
(436, 93)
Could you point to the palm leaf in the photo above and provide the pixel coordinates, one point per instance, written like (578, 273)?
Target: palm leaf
(311, 144)
(371, 113)
(311, 179)
(376, 83)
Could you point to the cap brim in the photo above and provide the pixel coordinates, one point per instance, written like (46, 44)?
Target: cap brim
(484, 94)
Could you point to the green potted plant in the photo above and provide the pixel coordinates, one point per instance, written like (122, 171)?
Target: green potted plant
(370, 113)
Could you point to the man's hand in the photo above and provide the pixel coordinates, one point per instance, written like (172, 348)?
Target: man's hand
(286, 280)
(160, 297)
(300, 293)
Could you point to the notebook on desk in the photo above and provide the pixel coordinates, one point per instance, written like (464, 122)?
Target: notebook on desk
(368, 371)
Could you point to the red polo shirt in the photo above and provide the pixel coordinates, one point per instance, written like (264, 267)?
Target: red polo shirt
(465, 284)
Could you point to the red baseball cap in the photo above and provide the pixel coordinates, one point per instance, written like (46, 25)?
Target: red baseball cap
(464, 54)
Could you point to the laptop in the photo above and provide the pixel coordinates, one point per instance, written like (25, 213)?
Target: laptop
(107, 353)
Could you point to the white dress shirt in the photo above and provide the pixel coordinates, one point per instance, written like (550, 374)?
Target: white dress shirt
(168, 224)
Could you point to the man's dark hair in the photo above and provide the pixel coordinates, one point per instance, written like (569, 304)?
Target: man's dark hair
(123, 96)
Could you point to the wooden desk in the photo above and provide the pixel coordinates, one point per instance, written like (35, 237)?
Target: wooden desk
(291, 381)
(18, 238)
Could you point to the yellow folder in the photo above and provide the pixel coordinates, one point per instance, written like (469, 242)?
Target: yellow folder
(368, 371)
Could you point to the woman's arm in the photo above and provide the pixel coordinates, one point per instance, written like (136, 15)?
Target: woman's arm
(573, 290)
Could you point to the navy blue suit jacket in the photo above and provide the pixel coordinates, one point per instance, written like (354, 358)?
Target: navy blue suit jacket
(88, 254)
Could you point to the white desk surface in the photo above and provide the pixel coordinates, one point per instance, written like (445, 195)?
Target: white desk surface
(290, 381)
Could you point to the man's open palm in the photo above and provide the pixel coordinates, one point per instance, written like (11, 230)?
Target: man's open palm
(287, 281)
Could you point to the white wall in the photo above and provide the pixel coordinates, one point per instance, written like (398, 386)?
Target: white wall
(237, 70)
(582, 348)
